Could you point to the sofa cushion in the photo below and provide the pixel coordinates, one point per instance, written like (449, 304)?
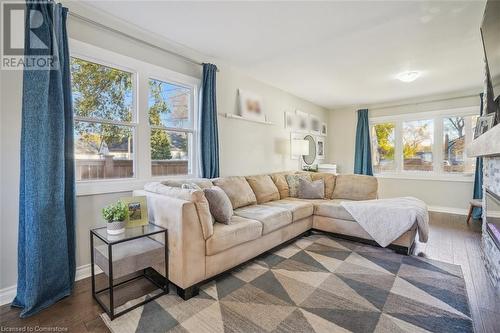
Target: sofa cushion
(272, 218)
(238, 231)
(195, 196)
(263, 187)
(298, 208)
(333, 209)
(238, 190)
(201, 182)
(293, 182)
(311, 190)
(329, 180)
(279, 179)
(219, 204)
(355, 187)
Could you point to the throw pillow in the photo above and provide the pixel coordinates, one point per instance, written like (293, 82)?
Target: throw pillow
(329, 182)
(219, 204)
(279, 179)
(238, 190)
(264, 189)
(293, 183)
(311, 190)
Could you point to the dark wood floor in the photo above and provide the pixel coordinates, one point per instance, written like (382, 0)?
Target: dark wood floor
(451, 240)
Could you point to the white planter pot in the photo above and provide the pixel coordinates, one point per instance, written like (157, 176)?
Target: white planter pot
(116, 227)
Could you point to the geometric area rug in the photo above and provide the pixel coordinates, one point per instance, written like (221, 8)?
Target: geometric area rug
(316, 284)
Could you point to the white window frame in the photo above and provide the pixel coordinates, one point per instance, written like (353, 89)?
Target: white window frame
(142, 72)
(437, 153)
(193, 139)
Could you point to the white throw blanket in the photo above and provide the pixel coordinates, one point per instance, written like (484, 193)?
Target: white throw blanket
(387, 219)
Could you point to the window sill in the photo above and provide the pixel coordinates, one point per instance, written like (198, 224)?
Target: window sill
(106, 186)
(434, 177)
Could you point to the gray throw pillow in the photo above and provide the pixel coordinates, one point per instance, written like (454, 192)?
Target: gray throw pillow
(311, 190)
(293, 183)
(219, 204)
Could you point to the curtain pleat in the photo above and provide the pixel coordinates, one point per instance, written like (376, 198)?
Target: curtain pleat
(208, 127)
(362, 154)
(46, 244)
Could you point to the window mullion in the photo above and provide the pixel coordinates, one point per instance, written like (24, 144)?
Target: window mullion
(437, 149)
(143, 130)
(398, 149)
(104, 121)
(172, 129)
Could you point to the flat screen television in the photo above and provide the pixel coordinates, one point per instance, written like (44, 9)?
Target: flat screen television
(490, 32)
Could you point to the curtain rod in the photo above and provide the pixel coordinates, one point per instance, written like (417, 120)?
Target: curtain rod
(423, 102)
(118, 32)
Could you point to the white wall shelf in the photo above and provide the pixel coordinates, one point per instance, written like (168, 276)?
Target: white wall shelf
(235, 116)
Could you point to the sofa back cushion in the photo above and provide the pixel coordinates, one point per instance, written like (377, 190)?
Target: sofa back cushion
(195, 196)
(279, 179)
(201, 182)
(355, 187)
(311, 190)
(329, 180)
(264, 188)
(293, 183)
(237, 189)
(219, 203)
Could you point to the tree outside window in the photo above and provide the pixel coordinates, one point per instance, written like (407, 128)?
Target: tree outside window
(383, 136)
(418, 139)
(169, 117)
(103, 108)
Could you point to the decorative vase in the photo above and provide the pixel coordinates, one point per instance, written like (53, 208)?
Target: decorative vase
(116, 227)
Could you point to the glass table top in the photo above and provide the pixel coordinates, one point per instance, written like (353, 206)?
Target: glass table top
(129, 234)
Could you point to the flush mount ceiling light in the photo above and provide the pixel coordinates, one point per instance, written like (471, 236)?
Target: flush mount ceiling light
(408, 76)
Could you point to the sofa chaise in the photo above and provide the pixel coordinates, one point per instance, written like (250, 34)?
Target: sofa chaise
(266, 215)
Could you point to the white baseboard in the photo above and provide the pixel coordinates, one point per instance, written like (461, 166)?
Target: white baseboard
(82, 272)
(7, 294)
(449, 210)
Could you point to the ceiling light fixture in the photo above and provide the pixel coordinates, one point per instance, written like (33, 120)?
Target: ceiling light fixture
(408, 76)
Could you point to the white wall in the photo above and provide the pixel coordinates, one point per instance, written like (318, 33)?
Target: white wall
(245, 147)
(252, 148)
(451, 195)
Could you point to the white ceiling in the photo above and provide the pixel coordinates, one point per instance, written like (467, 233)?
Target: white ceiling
(330, 53)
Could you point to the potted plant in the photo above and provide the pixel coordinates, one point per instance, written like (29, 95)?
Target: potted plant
(115, 215)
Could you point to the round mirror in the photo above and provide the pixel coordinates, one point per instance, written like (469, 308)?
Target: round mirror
(309, 159)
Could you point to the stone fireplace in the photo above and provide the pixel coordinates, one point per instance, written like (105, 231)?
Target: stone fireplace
(491, 217)
(488, 147)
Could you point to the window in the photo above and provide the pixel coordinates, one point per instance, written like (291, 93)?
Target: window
(454, 144)
(133, 121)
(418, 139)
(104, 133)
(431, 143)
(383, 147)
(171, 127)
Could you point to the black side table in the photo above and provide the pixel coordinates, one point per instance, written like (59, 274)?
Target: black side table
(132, 251)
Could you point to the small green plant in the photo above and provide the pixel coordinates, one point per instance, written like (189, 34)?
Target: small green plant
(115, 212)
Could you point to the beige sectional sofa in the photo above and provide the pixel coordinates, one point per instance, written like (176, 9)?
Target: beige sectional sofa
(265, 216)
